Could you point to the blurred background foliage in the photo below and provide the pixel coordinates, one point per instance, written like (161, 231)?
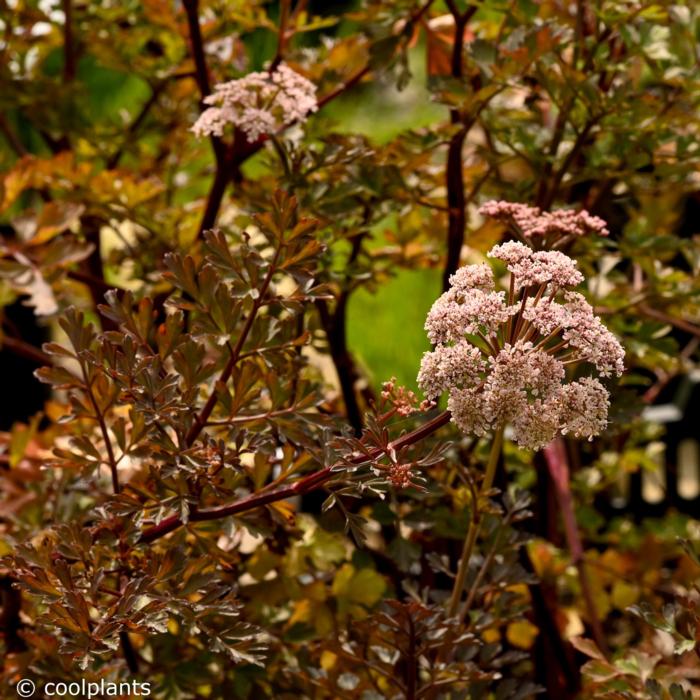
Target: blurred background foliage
(428, 109)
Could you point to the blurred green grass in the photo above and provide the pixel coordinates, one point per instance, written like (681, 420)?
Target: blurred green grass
(381, 111)
(385, 328)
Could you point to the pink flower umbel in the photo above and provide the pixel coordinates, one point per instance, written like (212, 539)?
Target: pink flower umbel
(259, 104)
(544, 229)
(503, 356)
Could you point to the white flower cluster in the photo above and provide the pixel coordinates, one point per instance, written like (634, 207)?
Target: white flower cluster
(503, 356)
(260, 103)
(542, 267)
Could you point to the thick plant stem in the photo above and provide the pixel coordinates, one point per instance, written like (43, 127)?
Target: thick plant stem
(558, 466)
(475, 524)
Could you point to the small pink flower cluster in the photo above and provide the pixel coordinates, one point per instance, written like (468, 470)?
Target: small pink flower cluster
(401, 475)
(260, 103)
(531, 222)
(503, 357)
(401, 399)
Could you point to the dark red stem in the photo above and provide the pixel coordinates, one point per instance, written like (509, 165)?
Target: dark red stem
(558, 466)
(308, 483)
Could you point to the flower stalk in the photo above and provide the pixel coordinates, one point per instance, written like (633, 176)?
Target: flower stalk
(475, 522)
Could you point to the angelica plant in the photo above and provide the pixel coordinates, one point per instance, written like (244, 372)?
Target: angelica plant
(503, 356)
(209, 210)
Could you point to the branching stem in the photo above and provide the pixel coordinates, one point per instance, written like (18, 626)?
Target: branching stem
(308, 483)
(103, 429)
(202, 417)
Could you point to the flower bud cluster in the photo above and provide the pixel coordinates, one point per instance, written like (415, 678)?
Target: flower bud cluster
(260, 103)
(531, 222)
(401, 399)
(401, 475)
